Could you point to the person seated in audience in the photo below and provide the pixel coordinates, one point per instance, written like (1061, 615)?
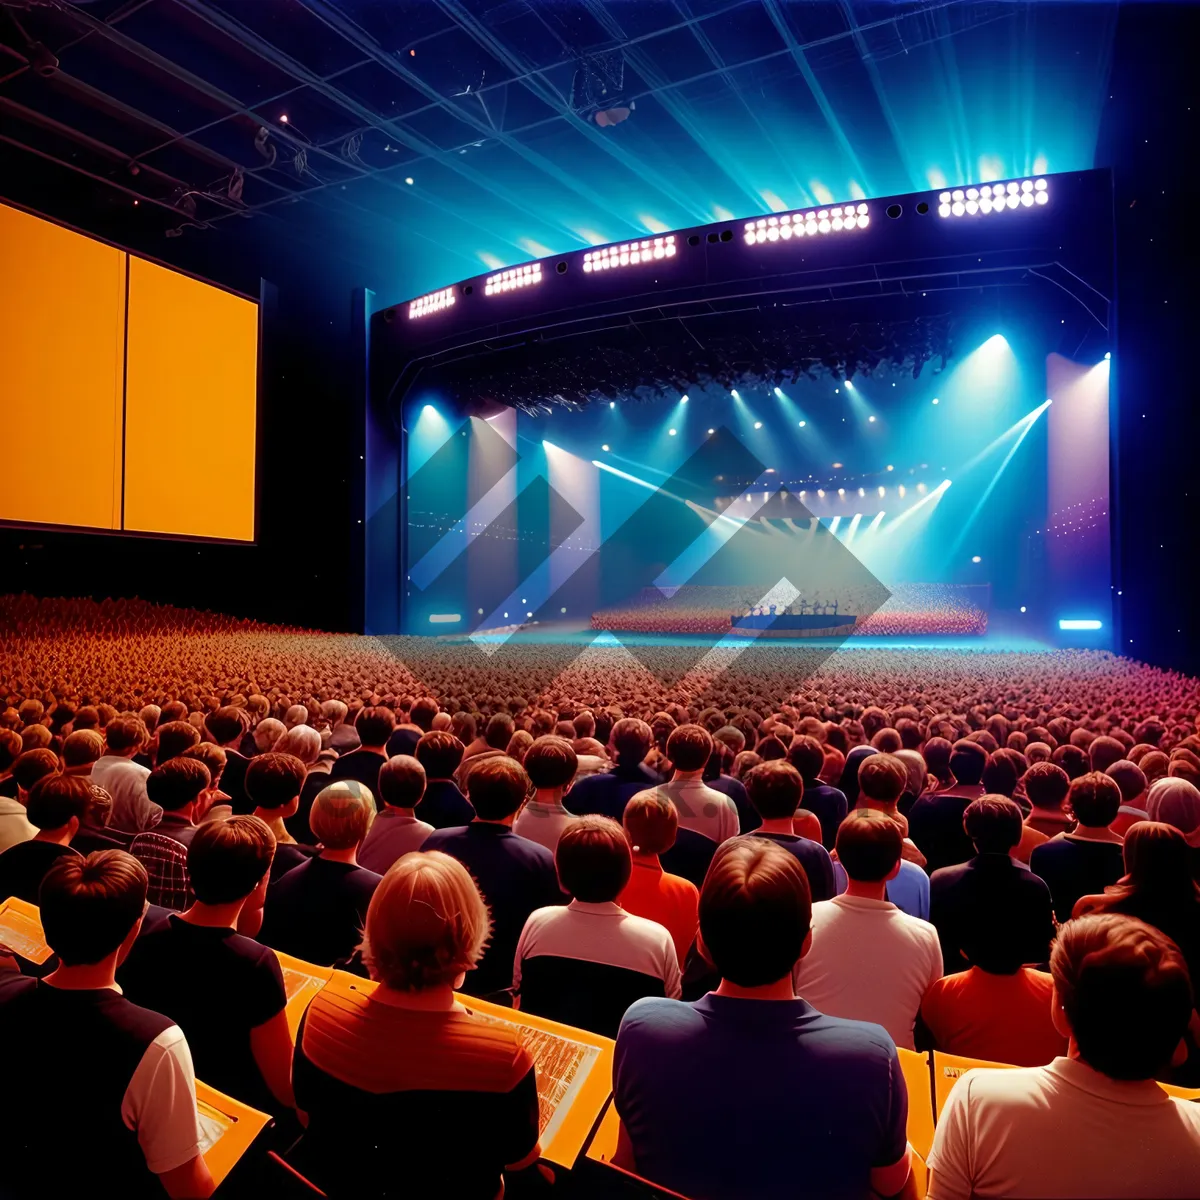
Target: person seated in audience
(1092, 1123)
(224, 990)
(997, 1009)
(1131, 779)
(374, 727)
(123, 779)
(497, 733)
(1088, 859)
(1046, 786)
(216, 802)
(550, 762)
(395, 830)
(171, 740)
(57, 806)
(605, 794)
(585, 963)
(343, 737)
(935, 823)
(303, 742)
(272, 783)
(960, 897)
(1072, 759)
(700, 808)
(917, 779)
(882, 779)
(728, 743)
(178, 788)
(518, 744)
(1176, 802)
(131, 1114)
(405, 1072)
(266, 733)
(829, 804)
(31, 766)
(95, 831)
(81, 750)
(869, 961)
(684, 1073)
(225, 728)
(419, 720)
(38, 737)
(316, 910)
(775, 790)
(515, 875)
(443, 806)
(14, 823)
(651, 825)
(1103, 752)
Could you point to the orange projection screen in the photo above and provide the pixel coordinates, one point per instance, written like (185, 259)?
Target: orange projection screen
(190, 407)
(62, 327)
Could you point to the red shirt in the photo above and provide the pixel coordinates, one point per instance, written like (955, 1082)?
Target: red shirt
(671, 901)
(806, 825)
(1000, 1018)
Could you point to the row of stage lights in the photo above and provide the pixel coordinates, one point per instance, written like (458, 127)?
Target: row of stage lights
(789, 225)
(630, 253)
(436, 301)
(517, 277)
(993, 198)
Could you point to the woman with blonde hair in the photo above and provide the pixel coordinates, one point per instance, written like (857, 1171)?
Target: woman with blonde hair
(410, 1059)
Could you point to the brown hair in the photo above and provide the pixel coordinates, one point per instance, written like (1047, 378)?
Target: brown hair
(10, 748)
(226, 724)
(993, 823)
(631, 738)
(651, 822)
(228, 858)
(439, 753)
(89, 905)
(497, 787)
(775, 789)
(121, 733)
(55, 799)
(342, 814)
(274, 780)
(689, 746)
(212, 756)
(33, 765)
(36, 737)
(807, 755)
(1095, 799)
(82, 747)
(177, 782)
(374, 725)
(551, 762)
(869, 845)
(593, 859)
(1046, 785)
(882, 778)
(173, 739)
(401, 781)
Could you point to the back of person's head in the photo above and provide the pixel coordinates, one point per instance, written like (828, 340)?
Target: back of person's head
(497, 787)
(593, 859)
(82, 747)
(1124, 988)
(499, 730)
(462, 725)
(688, 747)
(31, 711)
(88, 717)
(426, 925)
(1072, 759)
(887, 741)
(770, 748)
(882, 778)
(10, 749)
(177, 782)
(937, 752)
(775, 789)
(807, 755)
(401, 781)
(172, 710)
(1103, 752)
(1046, 785)
(755, 911)
(869, 845)
(1094, 798)
(584, 724)
(228, 724)
(993, 823)
(651, 822)
(173, 738)
(295, 715)
(1170, 799)
(439, 753)
(149, 714)
(967, 761)
(374, 725)
(229, 858)
(631, 739)
(422, 713)
(732, 737)
(88, 906)
(342, 814)
(1001, 775)
(267, 732)
(1129, 777)
(32, 765)
(1158, 862)
(274, 780)
(36, 737)
(551, 762)
(55, 799)
(302, 742)
(333, 711)
(212, 756)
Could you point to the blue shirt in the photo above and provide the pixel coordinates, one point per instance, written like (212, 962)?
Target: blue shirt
(725, 1099)
(909, 891)
(607, 793)
(830, 806)
(812, 856)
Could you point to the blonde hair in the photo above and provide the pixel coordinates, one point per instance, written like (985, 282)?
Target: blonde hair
(426, 925)
(341, 814)
(301, 741)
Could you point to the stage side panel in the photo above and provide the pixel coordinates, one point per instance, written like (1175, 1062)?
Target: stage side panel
(62, 312)
(191, 400)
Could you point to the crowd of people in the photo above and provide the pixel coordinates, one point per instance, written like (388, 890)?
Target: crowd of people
(761, 888)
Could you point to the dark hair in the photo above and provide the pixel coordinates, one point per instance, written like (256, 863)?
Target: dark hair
(496, 787)
(1072, 760)
(887, 741)
(651, 822)
(869, 845)
(173, 739)
(775, 789)
(882, 778)
(1125, 989)
(1095, 799)
(55, 799)
(755, 911)
(228, 858)
(1103, 752)
(226, 724)
(1046, 785)
(593, 859)
(122, 733)
(89, 905)
(967, 761)
(1000, 775)
(374, 725)
(688, 747)
(32, 765)
(631, 739)
(499, 731)
(807, 755)
(401, 781)
(212, 756)
(177, 782)
(551, 762)
(422, 712)
(274, 780)
(440, 753)
(993, 823)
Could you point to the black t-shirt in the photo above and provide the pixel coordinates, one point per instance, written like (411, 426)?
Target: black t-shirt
(23, 866)
(443, 806)
(829, 805)
(1074, 867)
(317, 911)
(217, 986)
(935, 824)
(361, 764)
(288, 856)
(690, 857)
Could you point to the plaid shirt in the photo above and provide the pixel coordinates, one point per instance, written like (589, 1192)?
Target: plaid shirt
(165, 861)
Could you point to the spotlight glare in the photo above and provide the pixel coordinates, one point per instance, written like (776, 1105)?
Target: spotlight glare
(943, 210)
(779, 392)
(712, 431)
(734, 393)
(1107, 355)
(882, 489)
(433, 302)
(871, 419)
(890, 467)
(802, 424)
(517, 277)
(1041, 197)
(612, 404)
(757, 424)
(631, 253)
(683, 399)
(958, 208)
(1022, 608)
(605, 447)
(1072, 623)
(975, 558)
(671, 432)
(936, 400)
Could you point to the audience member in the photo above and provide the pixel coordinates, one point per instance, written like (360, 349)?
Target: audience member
(225, 728)
(273, 782)
(57, 806)
(443, 806)
(178, 788)
(1131, 779)
(1176, 802)
(1046, 786)
(935, 823)
(550, 762)
(775, 790)
(395, 830)
(807, 755)
(343, 737)
(700, 808)
(125, 780)
(374, 727)
(14, 824)
(606, 793)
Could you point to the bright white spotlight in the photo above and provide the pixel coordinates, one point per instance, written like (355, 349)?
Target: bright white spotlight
(734, 393)
(683, 399)
(841, 491)
(1107, 355)
(671, 432)
(1072, 623)
(712, 431)
(871, 419)
(434, 302)
(757, 424)
(821, 493)
(976, 559)
(849, 386)
(958, 208)
(936, 400)
(429, 409)
(605, 447)
(1022, 608)
(802, 424)
(612, 404)
(890, 467)
(779, 392)
(882, 490)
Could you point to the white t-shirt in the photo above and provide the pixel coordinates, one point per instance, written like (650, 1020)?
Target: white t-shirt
(542, 823)
(702, 809)
(125, 781)
(160, 1103)
(1064, 1131)
(869, 962)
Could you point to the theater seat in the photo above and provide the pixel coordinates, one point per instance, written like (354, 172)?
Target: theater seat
(920, 1100)
(948, 1067)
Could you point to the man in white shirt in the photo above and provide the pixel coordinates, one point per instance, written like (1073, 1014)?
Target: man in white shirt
(869, 961)
(550, 763)
(700, 807)
(124, 780)
(1094, 1123)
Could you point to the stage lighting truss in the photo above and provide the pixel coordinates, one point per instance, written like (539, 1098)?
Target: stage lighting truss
(629, 254)
(517, 277)
(782, 228)
(993, 198)
(434, 302)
